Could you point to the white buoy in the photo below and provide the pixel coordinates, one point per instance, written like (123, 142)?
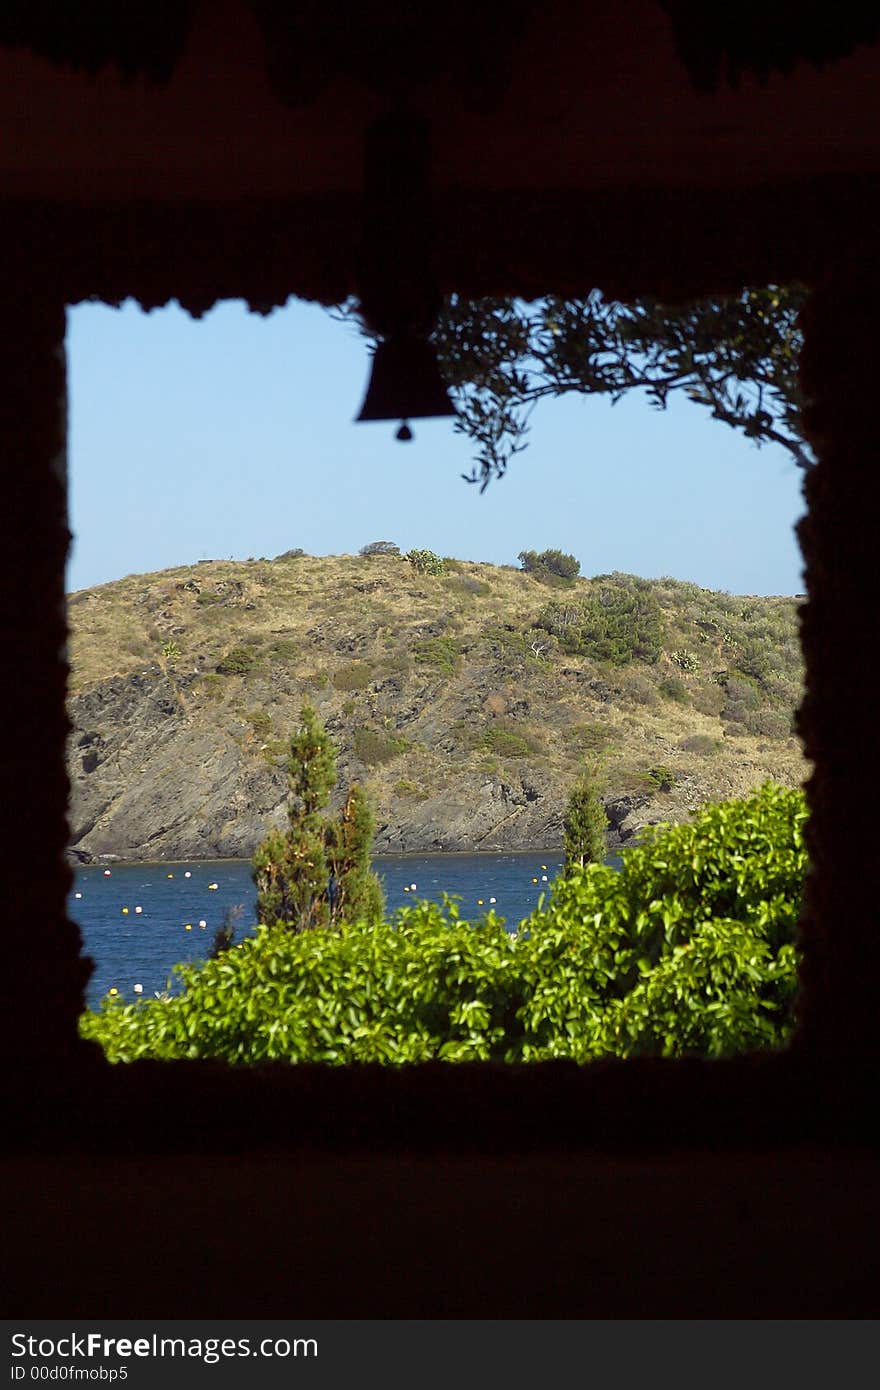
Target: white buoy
(77, 895)
(187, 874)
(203, 923)
(139, 909)
(492, 900)
(106, 873)
(543, 878)
(138, 989)
(412, 887)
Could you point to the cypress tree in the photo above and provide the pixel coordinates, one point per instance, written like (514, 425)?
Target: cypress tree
(317, 871)
(585, 823)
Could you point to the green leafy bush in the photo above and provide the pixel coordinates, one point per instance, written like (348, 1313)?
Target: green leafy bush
(663, 778)
(550, 563)
(440, 652)
(686, 660)
(426, 562)
(688, 949)
(260, 721)
(509, 743)
(379, 548)
(619, 621)
(238, 661)
(671, 688)
(376, 746)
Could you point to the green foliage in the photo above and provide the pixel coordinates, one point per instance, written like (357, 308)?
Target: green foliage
(379, 548)
(426, 562)
(238, 661)
(673, 689)
(311, 766)
(318, 868)
(660, 777)
(260, 721)
(171, 651)
(357, 675)
(736, 356)
(285, 648)
(440, 652)
(687, 661)
(584, 823)
(619, 621)
(688, 949)
(549, 563)
(509, 742)
(377, 746)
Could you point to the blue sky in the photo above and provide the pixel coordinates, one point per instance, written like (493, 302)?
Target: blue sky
(233, 436)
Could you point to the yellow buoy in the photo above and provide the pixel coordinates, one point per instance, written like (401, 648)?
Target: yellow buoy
(188, 926)
(169, 875)
(113, 990)
(212, 885)
(125, 909)
(479, 902)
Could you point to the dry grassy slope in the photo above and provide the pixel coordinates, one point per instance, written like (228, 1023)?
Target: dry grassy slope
(465, 721)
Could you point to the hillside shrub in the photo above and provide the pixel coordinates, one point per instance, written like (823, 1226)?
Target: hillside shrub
(689, 949)
(260, 721)
(238, 661)
(375, 746)
(702, 744)
(379, 548)
(426, 562)
(441, 653)
(660, 777)
(546, 563)
(672, 688)
(619, 621)
(509, 743)
(356, 675)
(686, 660)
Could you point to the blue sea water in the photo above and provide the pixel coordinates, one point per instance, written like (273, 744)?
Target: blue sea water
(183, 904)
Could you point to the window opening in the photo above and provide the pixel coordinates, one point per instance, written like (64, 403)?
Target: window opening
(618, 606)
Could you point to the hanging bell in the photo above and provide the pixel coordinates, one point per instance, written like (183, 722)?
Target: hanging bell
(405, 384)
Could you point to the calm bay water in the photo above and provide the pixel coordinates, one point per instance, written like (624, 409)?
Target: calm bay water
(181, 910)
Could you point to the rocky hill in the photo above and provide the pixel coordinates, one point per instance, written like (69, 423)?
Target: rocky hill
(465, 702)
